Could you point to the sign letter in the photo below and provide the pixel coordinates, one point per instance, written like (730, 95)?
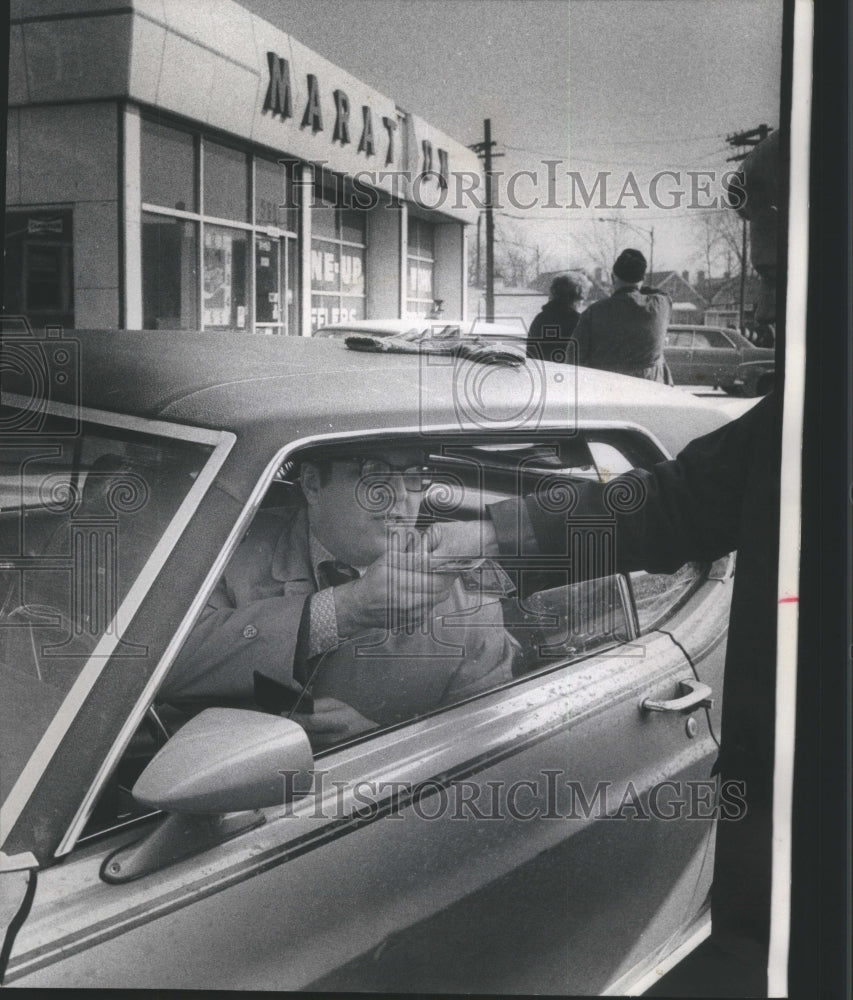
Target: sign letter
(313, 115)
(278, 99)
(365, 144)
(443, 169)
(341, 132)
(426, 146)
(390, 128)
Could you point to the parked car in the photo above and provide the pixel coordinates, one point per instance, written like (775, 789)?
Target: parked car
(719, 358)
(550, 834)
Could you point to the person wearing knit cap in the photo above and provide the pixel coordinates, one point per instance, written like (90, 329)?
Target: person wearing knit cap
(552, 329)
(625, 333)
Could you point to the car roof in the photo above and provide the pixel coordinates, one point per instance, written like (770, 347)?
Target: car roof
(388, 327)
(701, 327)
(275, 389)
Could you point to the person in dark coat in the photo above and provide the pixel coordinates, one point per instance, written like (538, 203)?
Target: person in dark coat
(625, 333)
(720, 494)
(552, 328)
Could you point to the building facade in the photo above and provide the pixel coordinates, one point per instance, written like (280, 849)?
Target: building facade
(183, 164)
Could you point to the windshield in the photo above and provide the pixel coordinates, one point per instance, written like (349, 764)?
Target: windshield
(82, 508)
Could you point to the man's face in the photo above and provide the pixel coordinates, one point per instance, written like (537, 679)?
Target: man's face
(351, 508)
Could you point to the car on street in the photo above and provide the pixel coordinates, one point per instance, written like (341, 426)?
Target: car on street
(720, 359)
(550, 833)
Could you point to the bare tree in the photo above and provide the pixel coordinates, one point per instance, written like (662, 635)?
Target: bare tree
(600, 243)
(517, 258)
(719, 241)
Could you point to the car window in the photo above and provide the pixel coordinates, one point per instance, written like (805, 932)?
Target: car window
(710, 338)
(82, 509)
(678, 338)
(657, 596)
(495, 622)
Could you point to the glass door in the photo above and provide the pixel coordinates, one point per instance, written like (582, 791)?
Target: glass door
(268, 282)
(276, 301)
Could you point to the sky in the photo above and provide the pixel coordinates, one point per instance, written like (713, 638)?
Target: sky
(633, 87)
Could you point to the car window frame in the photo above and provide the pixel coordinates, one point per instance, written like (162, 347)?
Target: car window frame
(241, 524)
(221, 442)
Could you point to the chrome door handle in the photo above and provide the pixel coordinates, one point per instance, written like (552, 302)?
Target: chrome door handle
(694, 695)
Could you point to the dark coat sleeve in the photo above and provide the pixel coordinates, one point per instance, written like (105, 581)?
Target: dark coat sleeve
(534, 337)
(581, 337)
(689, 508)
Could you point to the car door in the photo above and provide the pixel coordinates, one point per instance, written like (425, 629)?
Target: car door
(715, 359)
(503, 836)
(547, 835)
(678, 352)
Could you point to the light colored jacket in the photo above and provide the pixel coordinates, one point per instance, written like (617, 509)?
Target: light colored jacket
(251, 622)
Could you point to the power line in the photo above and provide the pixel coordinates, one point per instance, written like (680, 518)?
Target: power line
(617, 163)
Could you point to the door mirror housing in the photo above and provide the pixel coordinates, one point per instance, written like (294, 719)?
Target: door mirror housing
(211, 779)
(228, 760)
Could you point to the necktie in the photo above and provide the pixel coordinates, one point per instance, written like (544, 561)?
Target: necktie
(336, 573)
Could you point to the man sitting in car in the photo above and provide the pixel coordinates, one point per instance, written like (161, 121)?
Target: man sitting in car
(338, 596)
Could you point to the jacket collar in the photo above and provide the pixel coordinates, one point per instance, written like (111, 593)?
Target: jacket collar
(292, 557)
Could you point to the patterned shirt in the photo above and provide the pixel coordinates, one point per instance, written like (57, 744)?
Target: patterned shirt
(323, 632)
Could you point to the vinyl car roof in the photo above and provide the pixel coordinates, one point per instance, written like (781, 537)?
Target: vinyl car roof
(389, 327)
(278, 389)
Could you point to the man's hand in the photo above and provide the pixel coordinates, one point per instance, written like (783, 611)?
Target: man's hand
(460, 540)
(332, 722)
(400, 588)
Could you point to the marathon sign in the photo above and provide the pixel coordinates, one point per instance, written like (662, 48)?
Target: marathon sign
(349, 123)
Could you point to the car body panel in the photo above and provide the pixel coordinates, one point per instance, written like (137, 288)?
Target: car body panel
(716, 357)
(379, 877)
(354, 897)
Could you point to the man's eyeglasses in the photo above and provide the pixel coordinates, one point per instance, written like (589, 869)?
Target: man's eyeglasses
(415, 478)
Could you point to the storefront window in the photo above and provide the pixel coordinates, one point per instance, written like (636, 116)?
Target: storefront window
(169, 273)
(168, 167)
(352, 225)
(226, 182)
(225, 278)
(247, 277)
(272, 195)
(338, 256)
(334, 309)
(38, 271)
(324, 219)
(420, 265)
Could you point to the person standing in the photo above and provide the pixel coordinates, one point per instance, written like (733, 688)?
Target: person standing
(625, 333)
(553, 327)
(721, 493)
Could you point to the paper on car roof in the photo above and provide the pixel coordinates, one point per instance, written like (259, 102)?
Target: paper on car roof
(414, 342)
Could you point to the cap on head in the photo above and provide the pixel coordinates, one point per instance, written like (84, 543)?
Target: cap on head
(630, 266)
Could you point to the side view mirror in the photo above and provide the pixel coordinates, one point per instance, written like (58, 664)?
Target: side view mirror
(211, 778)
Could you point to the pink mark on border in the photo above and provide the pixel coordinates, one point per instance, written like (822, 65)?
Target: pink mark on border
(789, 600)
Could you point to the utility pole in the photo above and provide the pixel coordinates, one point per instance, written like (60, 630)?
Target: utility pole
(743, 142)
(479, 242)
(484, 149)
